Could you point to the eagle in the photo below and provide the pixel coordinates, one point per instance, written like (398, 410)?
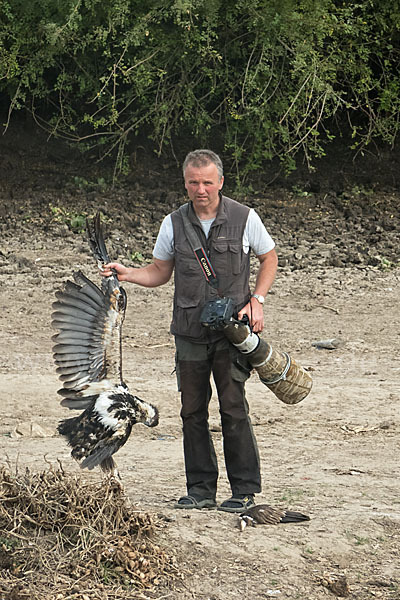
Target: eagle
(88, 358)
(269, 515)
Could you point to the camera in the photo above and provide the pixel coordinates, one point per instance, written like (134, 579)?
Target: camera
(217, 313)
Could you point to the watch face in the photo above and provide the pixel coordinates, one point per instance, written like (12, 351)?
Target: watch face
(259, 298)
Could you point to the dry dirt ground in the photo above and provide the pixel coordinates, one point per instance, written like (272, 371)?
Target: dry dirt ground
(334, 456)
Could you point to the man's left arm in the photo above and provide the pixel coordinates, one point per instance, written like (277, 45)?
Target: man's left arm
(265, 278)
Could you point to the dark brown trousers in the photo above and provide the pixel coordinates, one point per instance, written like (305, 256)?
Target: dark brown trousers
(194, 365)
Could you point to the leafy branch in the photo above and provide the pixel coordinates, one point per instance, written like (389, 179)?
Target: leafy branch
(261, 80)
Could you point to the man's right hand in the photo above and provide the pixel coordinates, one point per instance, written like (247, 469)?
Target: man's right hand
(122, 272)
(152, 275)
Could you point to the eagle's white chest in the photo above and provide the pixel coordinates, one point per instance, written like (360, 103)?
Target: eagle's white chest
(102, 408)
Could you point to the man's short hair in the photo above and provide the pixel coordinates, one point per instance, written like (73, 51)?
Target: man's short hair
(202, 158)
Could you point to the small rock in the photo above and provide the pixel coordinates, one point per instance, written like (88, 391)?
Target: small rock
(31, 429)
(330, 344)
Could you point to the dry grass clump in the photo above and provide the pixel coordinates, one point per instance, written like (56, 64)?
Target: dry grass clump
(62, 537)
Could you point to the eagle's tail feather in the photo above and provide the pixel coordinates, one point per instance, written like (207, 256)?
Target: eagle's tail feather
(100, 456)
(108, 465)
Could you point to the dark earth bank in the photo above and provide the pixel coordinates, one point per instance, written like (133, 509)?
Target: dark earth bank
(342, 216)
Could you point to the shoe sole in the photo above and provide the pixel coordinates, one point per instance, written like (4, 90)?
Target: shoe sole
(234, 510)
(201, 504)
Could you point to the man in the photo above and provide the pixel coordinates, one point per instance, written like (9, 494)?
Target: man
(227, 230)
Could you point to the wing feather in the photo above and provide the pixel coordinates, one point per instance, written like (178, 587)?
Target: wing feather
(76, 292)
(68, 370)
(72, 376)
(96, 240)
(75, 304)
(63, 360)
(72, 320)
(73, 349)
(58, 324)
(69, 314)
(77, 404)
(70, 337)
(71, 394)
(77, 383)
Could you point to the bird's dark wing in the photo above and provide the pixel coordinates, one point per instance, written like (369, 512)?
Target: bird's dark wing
(270, 515)
(87, 349)
(292, 516)
(265, 514)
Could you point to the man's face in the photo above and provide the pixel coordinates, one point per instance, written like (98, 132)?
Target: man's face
(202, 185)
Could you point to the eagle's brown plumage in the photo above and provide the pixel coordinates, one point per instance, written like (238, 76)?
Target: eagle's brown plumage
(88, 356)
(269, 515)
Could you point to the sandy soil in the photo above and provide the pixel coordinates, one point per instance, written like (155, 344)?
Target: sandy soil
(334, 456)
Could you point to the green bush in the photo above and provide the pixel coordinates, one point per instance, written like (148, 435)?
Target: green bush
(257, 78)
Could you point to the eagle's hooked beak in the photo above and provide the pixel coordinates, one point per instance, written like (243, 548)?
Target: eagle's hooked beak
(148, 414)
(153, 417)
(153, 421)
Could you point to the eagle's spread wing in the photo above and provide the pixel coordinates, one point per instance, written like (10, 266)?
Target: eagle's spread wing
(269, 515)
(87, 349)
(88, 356)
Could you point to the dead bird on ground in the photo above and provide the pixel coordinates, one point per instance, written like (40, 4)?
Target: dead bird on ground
(263, 514)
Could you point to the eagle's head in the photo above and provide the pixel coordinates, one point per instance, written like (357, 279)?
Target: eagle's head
(146, 413)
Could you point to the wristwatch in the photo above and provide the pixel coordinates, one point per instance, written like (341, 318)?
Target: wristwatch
(259, 298)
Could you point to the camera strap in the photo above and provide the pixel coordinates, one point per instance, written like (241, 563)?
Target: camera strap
(200, 253)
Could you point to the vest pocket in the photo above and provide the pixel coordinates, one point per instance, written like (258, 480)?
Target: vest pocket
(228, 257)
(187, 301)
(235, 250)
(220, 247)
(220, 258)
(188, 278)
(185, 258)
